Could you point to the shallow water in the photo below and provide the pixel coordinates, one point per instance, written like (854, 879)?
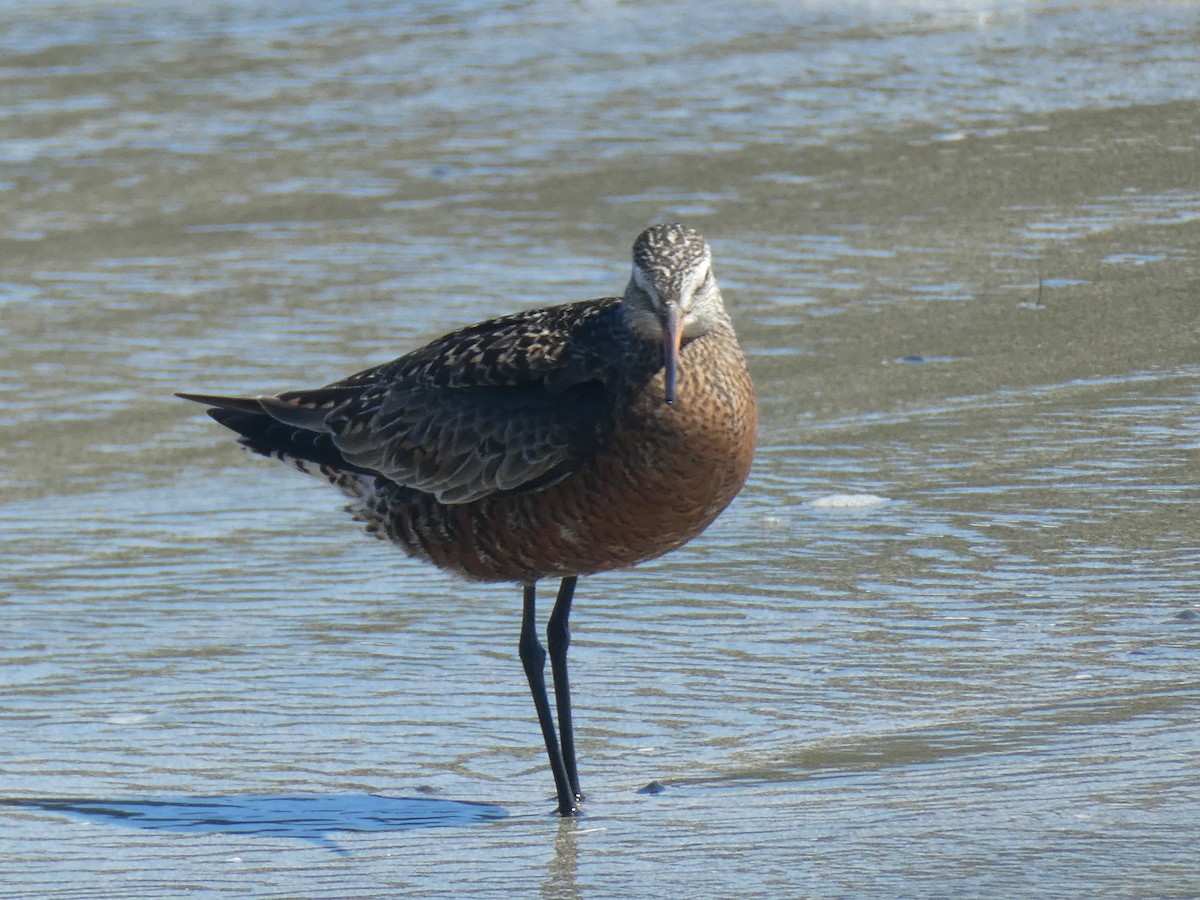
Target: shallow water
(959, 244)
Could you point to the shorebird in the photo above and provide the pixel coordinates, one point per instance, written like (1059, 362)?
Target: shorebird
(555, 442)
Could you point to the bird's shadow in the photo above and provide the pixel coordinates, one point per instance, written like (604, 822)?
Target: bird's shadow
(310, 817)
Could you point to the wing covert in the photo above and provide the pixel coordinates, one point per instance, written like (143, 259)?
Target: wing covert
(508, 405)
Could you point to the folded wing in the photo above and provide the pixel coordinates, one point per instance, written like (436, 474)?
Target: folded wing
(505, 406)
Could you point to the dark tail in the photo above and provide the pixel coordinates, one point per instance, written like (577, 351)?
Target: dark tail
(266, 435)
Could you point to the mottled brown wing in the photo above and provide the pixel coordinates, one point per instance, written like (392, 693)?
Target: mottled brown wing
(507, 405)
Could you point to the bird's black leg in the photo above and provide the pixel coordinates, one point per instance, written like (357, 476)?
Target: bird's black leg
(533, 658)
(558, 636)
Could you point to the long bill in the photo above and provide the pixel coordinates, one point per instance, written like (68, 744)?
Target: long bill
(672, 338)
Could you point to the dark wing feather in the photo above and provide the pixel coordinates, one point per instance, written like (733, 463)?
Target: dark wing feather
(273, 436)
(502, 406)
(461, 444)
(507, 405)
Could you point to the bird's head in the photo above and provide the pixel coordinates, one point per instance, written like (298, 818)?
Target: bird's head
(672, 295)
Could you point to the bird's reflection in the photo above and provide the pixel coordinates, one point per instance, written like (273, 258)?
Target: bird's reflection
(560, 880)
